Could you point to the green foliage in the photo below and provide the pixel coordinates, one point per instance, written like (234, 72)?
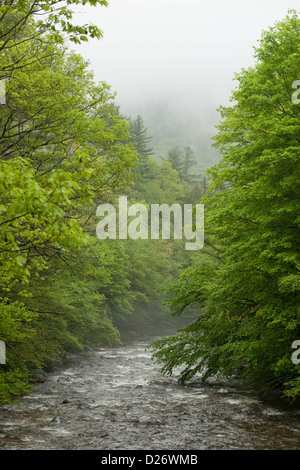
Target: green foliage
(13, 384)
(64, 149)
(141, 140)
(139, 136)
(52, 16)
(249, 302)
(57, 158)
(183, 161)
(164, 185)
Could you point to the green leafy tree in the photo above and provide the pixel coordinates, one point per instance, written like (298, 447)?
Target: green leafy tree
(249, 302)
(64, 150)
(51, 15)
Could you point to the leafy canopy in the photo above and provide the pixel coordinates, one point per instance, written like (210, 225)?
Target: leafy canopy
(248, 296)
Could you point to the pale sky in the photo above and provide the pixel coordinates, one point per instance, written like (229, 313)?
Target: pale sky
(186, 51)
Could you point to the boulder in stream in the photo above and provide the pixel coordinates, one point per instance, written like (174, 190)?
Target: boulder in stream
(39, 376)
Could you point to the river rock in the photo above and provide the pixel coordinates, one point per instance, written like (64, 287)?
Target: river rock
(54, 366)
(58, 365)
(53, 378)
(39, 375)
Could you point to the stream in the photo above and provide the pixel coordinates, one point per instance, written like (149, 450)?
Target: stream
(117, 398)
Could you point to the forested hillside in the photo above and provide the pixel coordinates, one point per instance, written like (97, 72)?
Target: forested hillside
(172, 124)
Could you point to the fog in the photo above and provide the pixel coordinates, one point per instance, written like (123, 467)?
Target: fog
(179, 54)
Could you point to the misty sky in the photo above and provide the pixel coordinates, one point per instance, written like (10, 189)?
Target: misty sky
(185, 51)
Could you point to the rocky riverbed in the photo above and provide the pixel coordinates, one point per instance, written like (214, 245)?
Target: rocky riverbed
(117, 399)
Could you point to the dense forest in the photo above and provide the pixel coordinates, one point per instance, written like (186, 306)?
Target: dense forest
(65, 149)
(231, 307)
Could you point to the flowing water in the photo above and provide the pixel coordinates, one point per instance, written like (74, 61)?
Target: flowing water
(116, 398)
